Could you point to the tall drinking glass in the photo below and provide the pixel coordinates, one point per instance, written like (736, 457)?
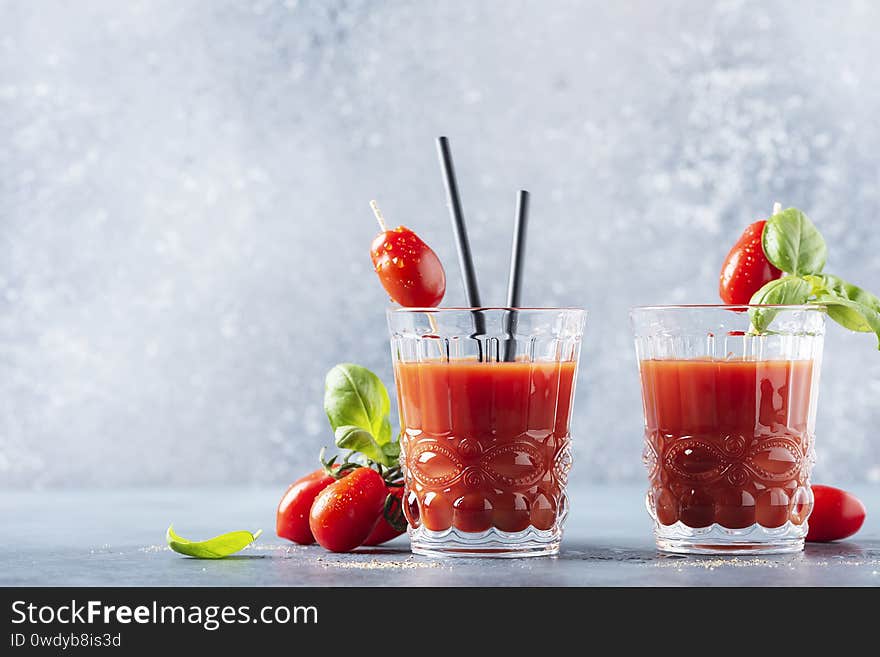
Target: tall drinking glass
(485, 400)
(729, 420)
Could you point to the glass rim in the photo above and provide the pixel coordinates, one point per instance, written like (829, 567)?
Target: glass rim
(736, 307)
(458, 309)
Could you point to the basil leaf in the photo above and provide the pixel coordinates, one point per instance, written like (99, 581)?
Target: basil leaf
(392, 451)
(793, 244)
(357, 405)
(355, 397)
(360, 440)
(848, 305)
(785, 291)
(836, 285)
(214, 548)
(384, 435)
(852, 315)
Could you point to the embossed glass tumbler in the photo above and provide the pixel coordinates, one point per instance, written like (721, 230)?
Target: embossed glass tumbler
(485, 399)
(729, 420)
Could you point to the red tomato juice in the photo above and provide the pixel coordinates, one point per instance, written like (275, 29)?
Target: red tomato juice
(485, 444)
(728, 441)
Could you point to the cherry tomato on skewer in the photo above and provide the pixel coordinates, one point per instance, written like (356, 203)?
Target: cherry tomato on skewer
(746, 268)
(408, 269)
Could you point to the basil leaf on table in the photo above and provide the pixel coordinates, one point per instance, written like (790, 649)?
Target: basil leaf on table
(785, 291)
(213, 548)
(793, 244)
(355, 397)
(360, 440)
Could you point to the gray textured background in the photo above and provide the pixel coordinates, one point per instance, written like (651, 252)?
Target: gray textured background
(184, 226)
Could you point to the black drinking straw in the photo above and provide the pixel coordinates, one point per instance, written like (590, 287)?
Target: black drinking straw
(471, 290)
(465, 261)
(517, 260)
(518, 250)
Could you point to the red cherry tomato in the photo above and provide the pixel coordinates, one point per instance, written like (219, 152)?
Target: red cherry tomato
(409, 270)
(746, 269)
(836, 514)
(292, 517)
(344, 513)
(383, 531)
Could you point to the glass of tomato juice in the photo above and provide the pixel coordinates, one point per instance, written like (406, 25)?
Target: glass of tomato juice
(485, 399)
(730, 413)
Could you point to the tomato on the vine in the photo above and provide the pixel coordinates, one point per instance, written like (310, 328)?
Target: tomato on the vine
(384, 530)
(343, 514)
(292, 517)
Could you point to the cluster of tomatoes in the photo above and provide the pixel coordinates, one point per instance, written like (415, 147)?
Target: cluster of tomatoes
(342, 507)
(348, 505)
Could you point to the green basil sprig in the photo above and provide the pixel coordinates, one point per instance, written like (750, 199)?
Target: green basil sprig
(793, 244)
(213, 548)
(357, 405)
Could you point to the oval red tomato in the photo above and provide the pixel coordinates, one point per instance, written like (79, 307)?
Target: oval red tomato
(292, 516)
(408, 269)
(343, 514)
(384, 531)
(746, 268)
(836, 514)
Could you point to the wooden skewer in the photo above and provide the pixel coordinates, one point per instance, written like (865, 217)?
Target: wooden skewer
(378, 214)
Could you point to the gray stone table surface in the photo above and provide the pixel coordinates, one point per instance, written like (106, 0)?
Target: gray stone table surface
(116, 538)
